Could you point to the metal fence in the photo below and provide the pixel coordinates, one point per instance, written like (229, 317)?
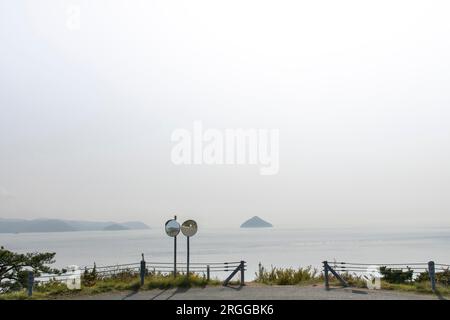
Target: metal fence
(201, 268)
(414, 270)
(146, 268)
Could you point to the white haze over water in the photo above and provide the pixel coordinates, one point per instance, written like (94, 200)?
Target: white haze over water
(277, 247)
(357, 89)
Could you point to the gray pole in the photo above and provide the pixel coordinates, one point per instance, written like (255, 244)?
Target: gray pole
(188, 256)
(30, 283)
(325, 269)
(143, 270)
(242, 273)
(431, 272)
(175, 256)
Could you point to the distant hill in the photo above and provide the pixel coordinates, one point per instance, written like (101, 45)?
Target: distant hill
(135, 225)
(115, 227)
(56, 225)
(89, 225)
(256, 222)
(39, 225)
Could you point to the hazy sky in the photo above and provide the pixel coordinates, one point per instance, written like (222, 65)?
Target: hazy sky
(359, 90)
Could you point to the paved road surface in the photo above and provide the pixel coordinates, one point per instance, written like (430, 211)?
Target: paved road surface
(260, 292)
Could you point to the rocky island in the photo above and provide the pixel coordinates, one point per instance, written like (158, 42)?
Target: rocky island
(256, 222)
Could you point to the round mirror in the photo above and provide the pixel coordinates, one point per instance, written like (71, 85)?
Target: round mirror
(172, 228)
(189, 228)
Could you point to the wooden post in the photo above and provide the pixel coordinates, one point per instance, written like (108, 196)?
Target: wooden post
(30, 283)
(432, 273)
(235, 271)
(341, 280)
(207, 273)
(143, 269)
(242, 273)
(325, 270)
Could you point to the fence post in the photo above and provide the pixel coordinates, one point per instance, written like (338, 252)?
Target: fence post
(207, 273)
(431, 272)
(325, 269)
(242, 273)
(142, 270)
(30, 283)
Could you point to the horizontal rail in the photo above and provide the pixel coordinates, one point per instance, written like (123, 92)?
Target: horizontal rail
(211, 264)
(377, 264)
(151, 266)
(364, 271)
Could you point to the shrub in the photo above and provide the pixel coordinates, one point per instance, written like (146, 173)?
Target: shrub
(14, 268)
(89, 278)
(396, 275)
(442, 277)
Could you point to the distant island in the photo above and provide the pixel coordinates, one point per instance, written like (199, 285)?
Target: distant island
(115, 227)
(256, 222)
(57, 225)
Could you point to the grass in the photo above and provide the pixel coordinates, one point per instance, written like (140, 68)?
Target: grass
(301, 276)
(125, 282)
(416, 287)
(289, 276)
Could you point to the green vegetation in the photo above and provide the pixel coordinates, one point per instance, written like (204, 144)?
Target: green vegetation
(416, 287)
(302, 276)
(397, 275)
(14, 268)
(289, 276)
(123, 281)
(392, 279)
(442, 277)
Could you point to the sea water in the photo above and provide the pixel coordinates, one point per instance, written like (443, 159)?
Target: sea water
(270, 247)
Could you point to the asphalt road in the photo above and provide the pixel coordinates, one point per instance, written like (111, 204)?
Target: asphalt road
(260, 292)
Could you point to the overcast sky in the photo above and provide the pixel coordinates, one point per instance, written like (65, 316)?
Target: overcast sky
(359, 90)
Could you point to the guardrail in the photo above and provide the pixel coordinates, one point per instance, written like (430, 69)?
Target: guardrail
(411, 269)
(145, 268)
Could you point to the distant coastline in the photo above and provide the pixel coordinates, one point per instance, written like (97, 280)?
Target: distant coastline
(58, 225)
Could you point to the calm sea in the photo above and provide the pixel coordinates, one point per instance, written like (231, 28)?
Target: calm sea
(277, 247)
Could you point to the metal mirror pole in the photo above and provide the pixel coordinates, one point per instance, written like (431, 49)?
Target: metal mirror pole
(175, 252)
(175, 256)
(189, 228)
(188, 256)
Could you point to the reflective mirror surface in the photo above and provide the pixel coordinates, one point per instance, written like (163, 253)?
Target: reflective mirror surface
(172, 228)
(189, 228)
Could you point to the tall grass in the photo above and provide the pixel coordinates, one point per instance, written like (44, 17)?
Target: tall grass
(288, 276)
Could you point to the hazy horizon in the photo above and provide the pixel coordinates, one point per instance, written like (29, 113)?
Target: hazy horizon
(358, 92)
